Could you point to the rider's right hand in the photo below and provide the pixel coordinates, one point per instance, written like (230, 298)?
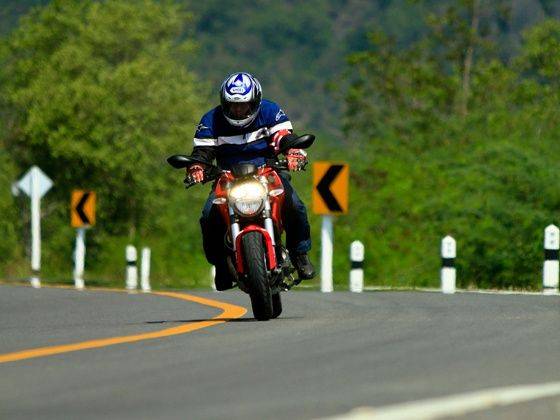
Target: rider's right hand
(196, 172)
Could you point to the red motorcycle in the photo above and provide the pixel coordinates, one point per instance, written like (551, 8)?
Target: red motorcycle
(250, 200)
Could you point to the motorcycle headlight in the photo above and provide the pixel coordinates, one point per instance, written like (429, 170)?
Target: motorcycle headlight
(247, 197)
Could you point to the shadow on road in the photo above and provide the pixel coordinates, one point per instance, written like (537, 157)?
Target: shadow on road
(182, 321)
(214, 319)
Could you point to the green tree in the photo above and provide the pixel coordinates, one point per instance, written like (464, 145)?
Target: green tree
(430, 168)
(541, 55)
(98, 94)
(10, 248)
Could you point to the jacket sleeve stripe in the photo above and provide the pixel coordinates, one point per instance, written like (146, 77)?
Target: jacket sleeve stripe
(286, 125)
(205, 142)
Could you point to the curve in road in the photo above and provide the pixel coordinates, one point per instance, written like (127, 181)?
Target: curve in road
(229, 312)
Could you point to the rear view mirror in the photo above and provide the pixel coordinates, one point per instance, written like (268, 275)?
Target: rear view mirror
(179, 161)
(302, 142)
(182, 161)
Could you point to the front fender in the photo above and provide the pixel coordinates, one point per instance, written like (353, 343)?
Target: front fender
(270, 253)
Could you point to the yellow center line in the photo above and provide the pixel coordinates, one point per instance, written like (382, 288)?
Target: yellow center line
(229, 312)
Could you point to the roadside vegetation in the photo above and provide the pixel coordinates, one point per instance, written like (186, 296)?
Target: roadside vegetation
(450, 127)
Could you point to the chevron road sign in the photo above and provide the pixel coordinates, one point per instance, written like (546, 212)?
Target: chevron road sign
(330, 197)
(82, 216)
(330, 188)
(82, 209)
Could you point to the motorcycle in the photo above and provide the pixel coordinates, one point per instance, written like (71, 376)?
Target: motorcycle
(250, 201)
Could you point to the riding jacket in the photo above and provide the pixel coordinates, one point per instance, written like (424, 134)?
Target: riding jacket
(229, 145)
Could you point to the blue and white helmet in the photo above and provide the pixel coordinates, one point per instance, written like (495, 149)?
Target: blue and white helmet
(238, 88)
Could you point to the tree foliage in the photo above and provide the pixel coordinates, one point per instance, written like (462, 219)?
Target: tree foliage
(98, 95)
(486, 177)
(297, 47)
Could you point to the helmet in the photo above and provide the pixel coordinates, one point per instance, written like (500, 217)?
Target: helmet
(240, 96)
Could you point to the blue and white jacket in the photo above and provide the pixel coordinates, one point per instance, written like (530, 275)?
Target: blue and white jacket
(216, 138)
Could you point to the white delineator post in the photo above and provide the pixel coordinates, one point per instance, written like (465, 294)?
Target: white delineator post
(326, 254)
(145, 270)
(131, 269)
(357, 267)
(79, 258)
(448, 272)
(35, 184)
(551, 251)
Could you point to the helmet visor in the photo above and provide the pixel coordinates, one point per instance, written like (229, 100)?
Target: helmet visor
(239, 110)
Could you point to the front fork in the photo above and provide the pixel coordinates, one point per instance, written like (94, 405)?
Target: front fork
(234, 226)
(268, 225)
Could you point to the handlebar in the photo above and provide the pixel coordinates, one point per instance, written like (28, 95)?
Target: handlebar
(282, 165)
(279, 165)
(213, 172)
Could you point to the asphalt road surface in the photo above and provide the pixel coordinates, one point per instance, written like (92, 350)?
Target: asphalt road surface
(326, 355)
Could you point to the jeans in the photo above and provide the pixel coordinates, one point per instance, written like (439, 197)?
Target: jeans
(294, 219)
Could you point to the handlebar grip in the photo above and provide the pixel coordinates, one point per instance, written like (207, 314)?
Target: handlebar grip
(281, 165)
(189, 182)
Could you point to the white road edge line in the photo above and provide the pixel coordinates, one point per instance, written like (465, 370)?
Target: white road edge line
(454, 405)
(479, 291)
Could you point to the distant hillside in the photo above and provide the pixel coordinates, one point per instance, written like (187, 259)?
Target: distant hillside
(298, 48)
(11, 10)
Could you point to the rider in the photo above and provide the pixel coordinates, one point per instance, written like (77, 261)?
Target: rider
(245, 128)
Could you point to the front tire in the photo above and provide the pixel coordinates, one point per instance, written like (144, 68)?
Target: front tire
(257, 276)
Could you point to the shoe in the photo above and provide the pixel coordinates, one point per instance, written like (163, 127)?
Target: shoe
(223, 279)
(305, 269)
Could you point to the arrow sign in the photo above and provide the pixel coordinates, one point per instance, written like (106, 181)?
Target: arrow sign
(330, 192)
(324, 188)
(82, 208)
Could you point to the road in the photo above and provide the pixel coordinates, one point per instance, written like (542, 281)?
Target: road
(325, 356)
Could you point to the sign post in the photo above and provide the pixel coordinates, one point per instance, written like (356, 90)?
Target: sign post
(82, 217)
(35, 184)
(330, 197)
(79, 258)
(327, 239)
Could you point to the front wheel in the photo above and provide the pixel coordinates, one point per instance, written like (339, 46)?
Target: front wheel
(257, 276)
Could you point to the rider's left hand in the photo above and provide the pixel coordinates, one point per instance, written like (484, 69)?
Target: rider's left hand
(297, 159)
(196, 172)
(276, 138)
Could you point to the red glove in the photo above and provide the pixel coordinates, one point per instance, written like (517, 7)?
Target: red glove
(297, 158)
(275, 139)
(196, 172)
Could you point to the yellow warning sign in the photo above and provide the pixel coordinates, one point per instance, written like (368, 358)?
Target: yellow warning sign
(330, 188)
(82, 208)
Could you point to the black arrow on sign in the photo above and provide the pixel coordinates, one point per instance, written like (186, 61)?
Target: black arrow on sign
(80, 209)
(323, 187)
